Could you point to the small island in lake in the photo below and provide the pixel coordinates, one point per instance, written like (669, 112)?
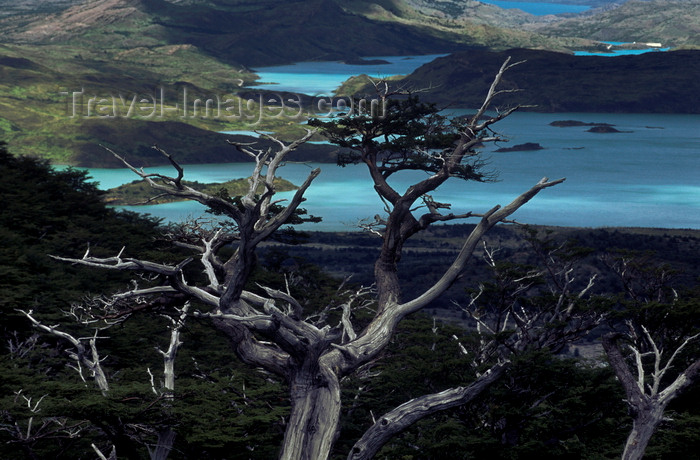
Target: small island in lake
(573, 123)
(526, 147)
(139, 192)
(595, 127)
(361, 61)
(603, 129)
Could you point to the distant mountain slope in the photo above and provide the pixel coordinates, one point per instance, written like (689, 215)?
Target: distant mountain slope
(467, 21)
(296, 31)
(88, 23)
(661, 82)
(591, 3)
(115, 48)
(270, 32)
(20, 7)
(265, 32)
(671, 22)
(248, 33)
(470, 10)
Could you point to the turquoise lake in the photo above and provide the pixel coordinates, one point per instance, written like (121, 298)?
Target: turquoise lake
(538, 8)
(322, 78)
(620, 51)
(647, 175)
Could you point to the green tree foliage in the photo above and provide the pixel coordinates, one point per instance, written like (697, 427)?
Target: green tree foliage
(45, 212)
(48, 212)
(547, 406)
(403, 134)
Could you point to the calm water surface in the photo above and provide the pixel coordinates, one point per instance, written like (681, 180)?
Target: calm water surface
(619, 52)
(322, 78)
(538, 8)
(645, 176)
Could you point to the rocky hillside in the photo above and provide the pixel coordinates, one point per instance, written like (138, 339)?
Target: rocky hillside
(674, 23)
(247, 33)
(277, 31)
(31, 7)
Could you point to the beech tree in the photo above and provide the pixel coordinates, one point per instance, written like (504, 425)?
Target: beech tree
(653, 346)
(268, 328)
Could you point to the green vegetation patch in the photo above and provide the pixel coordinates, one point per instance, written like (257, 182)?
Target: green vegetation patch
(139, 192)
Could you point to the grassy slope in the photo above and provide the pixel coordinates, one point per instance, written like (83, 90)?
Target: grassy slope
(119, 48)
(38, 120)
(125, 57)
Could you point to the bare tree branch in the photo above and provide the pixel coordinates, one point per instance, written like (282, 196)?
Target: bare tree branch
(90, 358)
(405, 415)
(490, 219)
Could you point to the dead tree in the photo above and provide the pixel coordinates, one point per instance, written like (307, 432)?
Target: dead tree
(88, 357)
(270, 329)
(28, 434)
(510, 321)
(82, 355)
(653, 350)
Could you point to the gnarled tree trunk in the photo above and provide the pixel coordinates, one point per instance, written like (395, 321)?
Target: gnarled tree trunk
(645, 423)
(315, 415)
(645, 397)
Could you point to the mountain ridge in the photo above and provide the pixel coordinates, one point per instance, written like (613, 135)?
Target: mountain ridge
(272, 32)
(251, 38)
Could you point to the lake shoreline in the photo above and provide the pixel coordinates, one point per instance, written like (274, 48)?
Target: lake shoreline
(643, 178)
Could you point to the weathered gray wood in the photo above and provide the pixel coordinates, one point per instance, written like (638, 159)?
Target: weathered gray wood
(402, 417)
(646, 399)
